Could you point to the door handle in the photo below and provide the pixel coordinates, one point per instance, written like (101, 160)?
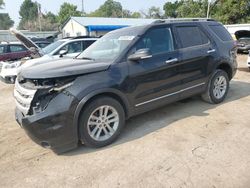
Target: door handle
(211, 51)
(171, 61)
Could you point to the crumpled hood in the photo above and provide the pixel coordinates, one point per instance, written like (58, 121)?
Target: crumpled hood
(62, 68)
(242, 34)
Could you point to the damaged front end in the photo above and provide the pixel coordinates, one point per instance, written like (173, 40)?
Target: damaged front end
(45, 109)
(33, 96)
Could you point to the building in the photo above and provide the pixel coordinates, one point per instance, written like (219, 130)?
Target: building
(93, 26)
(6, 36)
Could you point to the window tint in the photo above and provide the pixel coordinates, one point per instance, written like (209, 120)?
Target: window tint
(17, 48)
(191, 36)
(73, 47)
(1, 49)
(87, 43)
(221, 32)
(157, 40)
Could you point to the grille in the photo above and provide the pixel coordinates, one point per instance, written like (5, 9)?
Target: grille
(23, 98)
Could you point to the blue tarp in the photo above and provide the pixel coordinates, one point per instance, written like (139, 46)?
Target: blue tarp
(104, 27)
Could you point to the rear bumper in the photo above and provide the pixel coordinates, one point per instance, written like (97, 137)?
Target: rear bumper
(53, 128)
(243, 48)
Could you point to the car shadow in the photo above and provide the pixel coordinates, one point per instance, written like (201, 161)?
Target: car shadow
(147, 123)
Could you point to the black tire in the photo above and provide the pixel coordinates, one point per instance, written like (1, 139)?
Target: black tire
(209, 95)
(84, 134)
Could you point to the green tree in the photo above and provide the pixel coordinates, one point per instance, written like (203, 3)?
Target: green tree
(153, 12)
(231, 11)
(66, 11)
(29, 15)
(109, 9)
(136, 15)
(192, 9)
(1, 4)
(49, 22)
(171, 9)
(5, 22)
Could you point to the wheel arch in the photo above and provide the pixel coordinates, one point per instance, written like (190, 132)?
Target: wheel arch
(113, 93)
(227, 68)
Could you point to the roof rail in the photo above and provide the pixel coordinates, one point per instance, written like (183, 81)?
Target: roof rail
(182, 20)
(83, 37)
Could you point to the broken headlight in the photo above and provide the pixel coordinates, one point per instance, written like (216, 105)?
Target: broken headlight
(47, 89)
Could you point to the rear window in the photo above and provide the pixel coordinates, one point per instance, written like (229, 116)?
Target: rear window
(17, 48)
(191, 36)
(221, 32)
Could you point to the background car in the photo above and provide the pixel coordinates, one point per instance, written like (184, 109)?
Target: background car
(65, 48)
(243, 40)
(13, 51)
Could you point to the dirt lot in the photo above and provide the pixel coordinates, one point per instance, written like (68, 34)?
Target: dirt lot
(186, 144)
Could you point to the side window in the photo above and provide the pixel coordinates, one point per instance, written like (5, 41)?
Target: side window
(87, 43)
(2, 50)
(191, 36)
(157, 40)
(73, 47)
(17, 48)
(221, 32)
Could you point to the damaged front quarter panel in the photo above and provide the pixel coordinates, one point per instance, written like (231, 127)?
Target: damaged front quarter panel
(46, 90)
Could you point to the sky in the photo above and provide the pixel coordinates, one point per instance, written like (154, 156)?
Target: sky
(12, 6)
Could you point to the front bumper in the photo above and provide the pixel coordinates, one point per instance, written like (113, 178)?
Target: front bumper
(53, 128)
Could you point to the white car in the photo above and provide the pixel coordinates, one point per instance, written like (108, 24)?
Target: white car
(65, 48)
(248, 61)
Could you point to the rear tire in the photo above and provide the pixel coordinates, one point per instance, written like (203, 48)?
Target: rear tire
(101, 122)
(217, 88)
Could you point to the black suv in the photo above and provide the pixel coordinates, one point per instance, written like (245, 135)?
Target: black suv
(127, 72)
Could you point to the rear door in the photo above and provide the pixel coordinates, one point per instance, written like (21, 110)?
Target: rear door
(155, 80)
(17, 51)
(197, 53)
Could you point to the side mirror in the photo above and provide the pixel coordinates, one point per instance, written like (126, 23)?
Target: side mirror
(63, 52)
(140, 54)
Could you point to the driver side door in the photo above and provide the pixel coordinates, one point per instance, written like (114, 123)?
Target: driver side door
(155, 80)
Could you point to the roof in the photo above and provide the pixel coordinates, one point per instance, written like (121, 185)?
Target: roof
(100, 21)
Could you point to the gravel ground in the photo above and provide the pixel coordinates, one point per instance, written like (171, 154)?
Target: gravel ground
(186, 144)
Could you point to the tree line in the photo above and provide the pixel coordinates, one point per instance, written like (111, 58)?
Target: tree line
(225, 11)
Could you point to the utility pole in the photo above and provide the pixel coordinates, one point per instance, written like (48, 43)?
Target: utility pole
(39, 16)
(208, 8)
(83, 8)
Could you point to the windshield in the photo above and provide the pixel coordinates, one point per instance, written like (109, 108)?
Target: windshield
(48, 49)
(108, 48)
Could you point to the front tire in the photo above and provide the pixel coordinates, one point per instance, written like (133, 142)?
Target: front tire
(217, 88)
(101, 122)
